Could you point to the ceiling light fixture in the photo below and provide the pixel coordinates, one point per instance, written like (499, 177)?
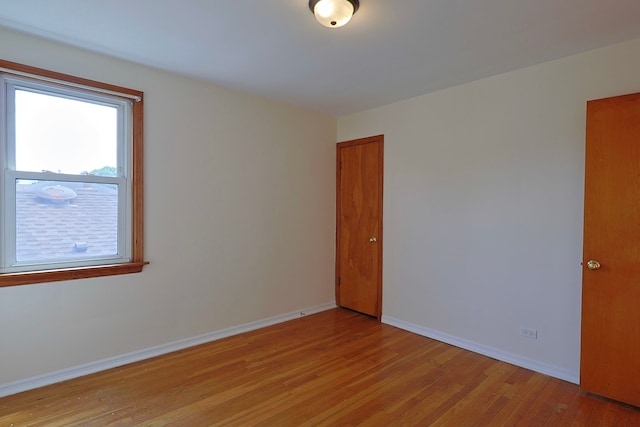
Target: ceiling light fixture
(333, 13)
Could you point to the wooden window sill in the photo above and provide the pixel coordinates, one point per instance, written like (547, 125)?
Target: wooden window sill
(32, 277)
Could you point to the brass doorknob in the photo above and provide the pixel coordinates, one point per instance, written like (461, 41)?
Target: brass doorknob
(593, 264)
(373, 240)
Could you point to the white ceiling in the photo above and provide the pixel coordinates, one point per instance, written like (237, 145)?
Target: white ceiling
(391, 50)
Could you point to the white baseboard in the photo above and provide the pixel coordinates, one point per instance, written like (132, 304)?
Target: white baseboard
(514, 359)
(124, 359)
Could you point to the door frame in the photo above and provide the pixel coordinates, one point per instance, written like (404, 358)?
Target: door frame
(377, 139)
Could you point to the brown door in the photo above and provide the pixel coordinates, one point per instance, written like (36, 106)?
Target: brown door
(359, 225)
(610, 353)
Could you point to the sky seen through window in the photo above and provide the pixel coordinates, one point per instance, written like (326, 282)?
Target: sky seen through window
(63, 135)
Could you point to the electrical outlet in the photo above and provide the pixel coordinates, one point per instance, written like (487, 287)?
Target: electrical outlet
(529, 333)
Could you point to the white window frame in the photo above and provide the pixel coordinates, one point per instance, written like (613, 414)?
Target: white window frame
(129, 177)
(8, 251)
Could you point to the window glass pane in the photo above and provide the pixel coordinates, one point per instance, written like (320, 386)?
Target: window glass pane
(64, 135)
(65, 220)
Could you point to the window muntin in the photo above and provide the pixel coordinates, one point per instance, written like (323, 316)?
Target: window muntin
(60, 138)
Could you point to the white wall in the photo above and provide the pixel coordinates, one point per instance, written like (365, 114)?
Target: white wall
(239, 222)
(484, 204)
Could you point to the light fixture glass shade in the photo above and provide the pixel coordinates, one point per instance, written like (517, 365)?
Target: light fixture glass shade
(333, 13)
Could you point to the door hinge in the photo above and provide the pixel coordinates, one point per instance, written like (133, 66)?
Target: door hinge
(338, 281)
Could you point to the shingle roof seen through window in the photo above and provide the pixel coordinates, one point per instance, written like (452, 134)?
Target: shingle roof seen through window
(85, 226)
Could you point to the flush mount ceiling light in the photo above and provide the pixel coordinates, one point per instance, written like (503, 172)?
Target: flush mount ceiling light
(333, 13)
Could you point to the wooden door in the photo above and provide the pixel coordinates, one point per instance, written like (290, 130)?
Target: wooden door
(359, 225)
(610, 353)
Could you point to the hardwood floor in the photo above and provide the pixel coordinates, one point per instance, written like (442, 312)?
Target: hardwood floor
(332, 368)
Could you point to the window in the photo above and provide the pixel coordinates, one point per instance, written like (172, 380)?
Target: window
(71, 181)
